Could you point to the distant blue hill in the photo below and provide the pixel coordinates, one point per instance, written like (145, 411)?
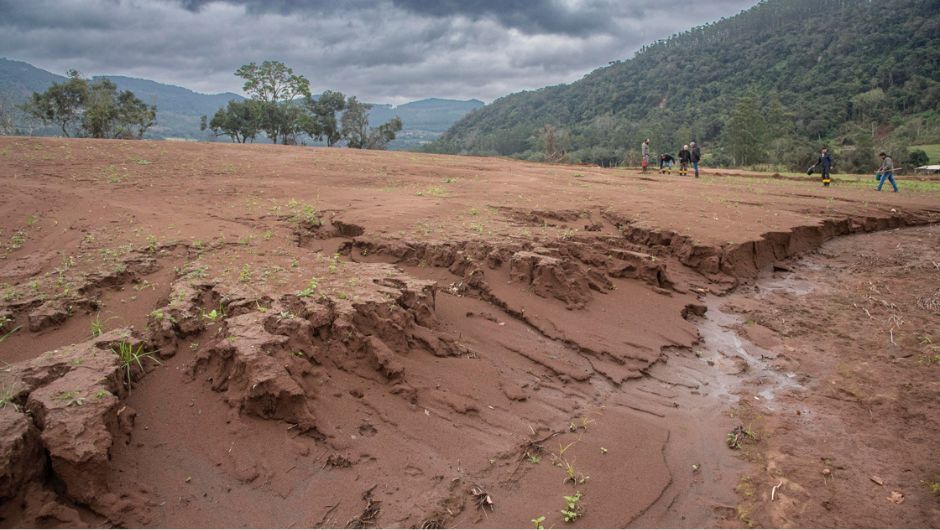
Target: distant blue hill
(179, 109)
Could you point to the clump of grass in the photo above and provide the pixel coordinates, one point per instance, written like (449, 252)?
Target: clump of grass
(97, 326)
(131, 355)
(7, 395)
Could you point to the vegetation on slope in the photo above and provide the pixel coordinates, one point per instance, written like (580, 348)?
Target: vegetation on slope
(770, 85)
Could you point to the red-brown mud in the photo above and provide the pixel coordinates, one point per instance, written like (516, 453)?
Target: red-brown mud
(339, 338)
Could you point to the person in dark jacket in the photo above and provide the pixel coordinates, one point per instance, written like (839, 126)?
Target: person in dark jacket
(696, 157)
(824, 164)
(665, 163)
(685, 158)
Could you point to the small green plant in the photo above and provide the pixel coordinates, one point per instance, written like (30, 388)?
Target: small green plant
(71, 399)
(7, 334)
(97, 326)
(101, 394)
(300, 354)
(17, 240)
(130, 355)
(310, 289)
(245, 275)
(4, 320)
(215, 315)
(267, 235)
(151, 243)
(538, 522)
(7, 395)
(573, 509)
(934, 487)
(739, 435)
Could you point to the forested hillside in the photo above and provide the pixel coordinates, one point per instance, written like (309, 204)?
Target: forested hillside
(769, 85)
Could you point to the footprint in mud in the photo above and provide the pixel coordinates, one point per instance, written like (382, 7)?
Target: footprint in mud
(367, 429)
(413, 471)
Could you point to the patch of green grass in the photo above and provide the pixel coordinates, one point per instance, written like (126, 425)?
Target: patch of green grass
(932, 150)
(130, 355)
(97, 325)
(7, 394)
(432, 191)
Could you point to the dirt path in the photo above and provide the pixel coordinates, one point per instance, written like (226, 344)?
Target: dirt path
(326, 337)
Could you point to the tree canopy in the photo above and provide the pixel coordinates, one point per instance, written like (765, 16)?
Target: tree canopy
(92, 108)
(281, 105)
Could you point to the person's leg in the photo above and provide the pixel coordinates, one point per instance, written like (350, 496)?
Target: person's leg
(825, 177)
(695, 166)
(882, 177)
(893, 183)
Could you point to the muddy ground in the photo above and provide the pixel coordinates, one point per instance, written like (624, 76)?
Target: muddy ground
(325, 337)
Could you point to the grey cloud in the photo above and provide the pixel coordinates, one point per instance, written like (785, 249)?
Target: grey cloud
(385, 51)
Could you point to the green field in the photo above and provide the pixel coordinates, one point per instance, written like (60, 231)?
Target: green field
(932, 150)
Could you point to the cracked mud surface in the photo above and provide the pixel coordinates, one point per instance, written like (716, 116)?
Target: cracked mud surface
(350, 339)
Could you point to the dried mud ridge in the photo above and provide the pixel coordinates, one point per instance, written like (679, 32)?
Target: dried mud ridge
(63, 412)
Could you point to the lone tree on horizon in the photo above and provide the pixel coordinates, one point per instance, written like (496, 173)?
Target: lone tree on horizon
(274, 86)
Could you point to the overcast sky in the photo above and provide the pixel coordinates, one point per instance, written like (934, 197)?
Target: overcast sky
(389, 51)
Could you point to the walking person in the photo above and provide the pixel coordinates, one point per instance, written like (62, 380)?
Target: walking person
(696, 157)
(886, 172)
(665, 163)
(824, 163)
(685, 158)
(645, 151)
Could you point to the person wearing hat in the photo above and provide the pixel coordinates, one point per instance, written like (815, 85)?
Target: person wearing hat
(696, 157)
(886, 172)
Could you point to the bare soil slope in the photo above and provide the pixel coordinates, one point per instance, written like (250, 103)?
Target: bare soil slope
(327, 337)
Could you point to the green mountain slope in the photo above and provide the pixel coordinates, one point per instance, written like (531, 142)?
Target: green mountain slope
(798, 72)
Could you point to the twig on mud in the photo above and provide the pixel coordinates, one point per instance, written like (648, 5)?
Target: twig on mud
(773, 491)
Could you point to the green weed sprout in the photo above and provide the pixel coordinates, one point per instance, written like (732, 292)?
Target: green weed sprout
(130, 355)
(573, 509)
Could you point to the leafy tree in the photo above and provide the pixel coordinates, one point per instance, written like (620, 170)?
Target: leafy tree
(240, 120)
(97, 108)
(61, 105)
(323, 124)
(275, 86)
(918, 157)
(380, 136)
(355, 123)
(745, 132)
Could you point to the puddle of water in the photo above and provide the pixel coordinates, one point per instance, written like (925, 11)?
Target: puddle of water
(726, 352)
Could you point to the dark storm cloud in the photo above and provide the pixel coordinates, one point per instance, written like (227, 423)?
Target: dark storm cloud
(386, 50)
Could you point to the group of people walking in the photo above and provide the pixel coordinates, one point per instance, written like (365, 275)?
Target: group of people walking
(885, 172)
(690, 154)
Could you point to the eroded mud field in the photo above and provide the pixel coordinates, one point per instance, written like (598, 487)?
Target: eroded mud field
(317, 337)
